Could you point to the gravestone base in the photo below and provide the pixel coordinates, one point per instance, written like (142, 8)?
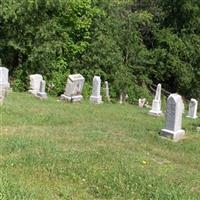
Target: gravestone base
(192, 117)
(175, 135)
(8, 91)
(5, 89)
(3, 92)
(42, 95)
(77, 98)
(34, 92)
(5, 86)
(156, 108)
(73, 99)
(96, 100)
(155, 113)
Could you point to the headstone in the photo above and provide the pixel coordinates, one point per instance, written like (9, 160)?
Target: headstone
(156, 105)
(121, 99)
(4, 84)
(147, 105)
(35, 80)
(193, 105)
(73, 88)
(107, 91)
(42, 94)
(174, 118)
(126, 97)
(141, 102)
(96, 91)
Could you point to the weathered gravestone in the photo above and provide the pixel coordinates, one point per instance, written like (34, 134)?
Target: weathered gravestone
(141, 102)
(73, 88)
(35, 80)
(174, 118)
(156, 105)
(4, 84)
(193, 105)
(42, 94)
(96, 91)
(121, 98)
(107, 91)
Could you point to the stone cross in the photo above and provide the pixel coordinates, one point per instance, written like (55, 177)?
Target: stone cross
(107, 91)
(42, 94)
(193, 105)
(156, 105)
(96, 91)
(35, 80)
(174, 118)
(73, 88)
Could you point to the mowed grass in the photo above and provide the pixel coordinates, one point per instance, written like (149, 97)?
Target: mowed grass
(55, 150)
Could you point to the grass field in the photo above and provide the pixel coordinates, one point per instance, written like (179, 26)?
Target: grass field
(51, 150)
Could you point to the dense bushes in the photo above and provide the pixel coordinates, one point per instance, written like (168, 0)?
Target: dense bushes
(129, 43)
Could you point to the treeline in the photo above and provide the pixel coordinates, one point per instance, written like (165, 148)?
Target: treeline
(132, 44)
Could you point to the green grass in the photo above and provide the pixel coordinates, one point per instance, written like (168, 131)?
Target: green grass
(54, 150)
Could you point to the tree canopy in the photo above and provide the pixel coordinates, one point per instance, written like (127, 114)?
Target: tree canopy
(130, 43)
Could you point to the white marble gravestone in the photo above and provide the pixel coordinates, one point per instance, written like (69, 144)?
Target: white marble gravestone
(141, 102)
(4, 84)
(174, 118)
(107, 91)
(121, 98)
(193, 105)
(35, 80)
(96, 91)
(42, 94)
(73, 88)
(156, 105)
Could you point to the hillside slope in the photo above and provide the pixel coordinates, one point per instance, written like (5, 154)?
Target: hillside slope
(54, 150)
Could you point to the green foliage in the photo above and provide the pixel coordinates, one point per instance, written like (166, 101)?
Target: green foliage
(36, 33)
(129, 43)
(87, 90)
(19, 82)
(57, 77)
(182, 15)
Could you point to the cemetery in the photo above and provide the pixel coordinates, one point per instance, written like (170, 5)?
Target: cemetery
(99, 100)
(72, 148)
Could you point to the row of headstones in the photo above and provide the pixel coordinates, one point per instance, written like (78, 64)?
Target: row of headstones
(174, 112)
(4, 84)
(156, 105)
(72, 92)
(73, 88)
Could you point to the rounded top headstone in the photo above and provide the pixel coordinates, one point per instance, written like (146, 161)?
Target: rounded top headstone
(175, 97)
